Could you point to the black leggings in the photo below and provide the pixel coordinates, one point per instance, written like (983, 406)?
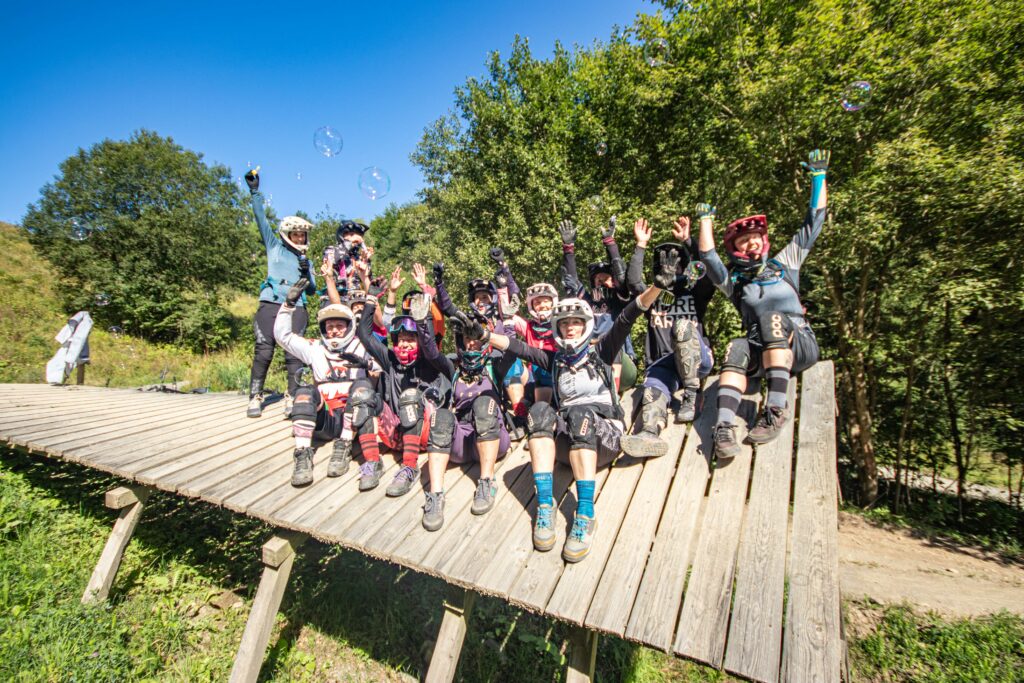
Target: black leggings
(263, 327)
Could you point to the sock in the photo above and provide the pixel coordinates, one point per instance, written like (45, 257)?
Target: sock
(302, 430)
(410, 449)
(585, 491)
(519, 409)
(545, 486)
(728, 404)
(778, 382)
(369, 446)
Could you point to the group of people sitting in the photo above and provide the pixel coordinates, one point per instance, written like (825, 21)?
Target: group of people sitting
(555, 375)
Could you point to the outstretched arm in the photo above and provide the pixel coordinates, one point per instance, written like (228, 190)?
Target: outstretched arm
(717, 272)
(364, 331)
(642, 232)
(793, 254)
(327, 270)
(252, 179)
(614, 257)
(570, 277)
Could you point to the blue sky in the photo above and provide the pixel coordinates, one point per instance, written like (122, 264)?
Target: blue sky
(245, 82)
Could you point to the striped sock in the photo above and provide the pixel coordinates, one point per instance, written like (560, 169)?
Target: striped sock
(410, 449)
(302, 430)
(728, 404)
(585, 491)
(778, 382)
(545, 488)
(369, 446)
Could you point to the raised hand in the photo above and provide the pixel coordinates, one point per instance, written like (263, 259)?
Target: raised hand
(609, 232)
(438, 274)
(498, 256)
(705, 210)
(396, 279)
(295, 293)
(327, 270)
(681, 229)
(817, 162)
(252, 179)
(375, 288)
(642, 232)
(568, 232)
(419, 276)
(665, 268)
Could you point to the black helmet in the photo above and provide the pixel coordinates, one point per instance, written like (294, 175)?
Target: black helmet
(487, 286)
(594, 269)
(350, 226)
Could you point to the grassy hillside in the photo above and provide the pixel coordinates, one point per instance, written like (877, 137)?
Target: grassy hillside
(31, 315)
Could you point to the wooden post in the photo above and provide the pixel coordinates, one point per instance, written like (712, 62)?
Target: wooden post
(129, 500)
(80, 376)
(278, 557)
(457, 608)
(582, 656)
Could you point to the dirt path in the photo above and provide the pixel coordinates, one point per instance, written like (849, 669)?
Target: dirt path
(895, 566)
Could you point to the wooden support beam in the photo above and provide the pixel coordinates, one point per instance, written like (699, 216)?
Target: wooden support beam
(445, 660)
(278, 558)
(582, 656)
(129, 500)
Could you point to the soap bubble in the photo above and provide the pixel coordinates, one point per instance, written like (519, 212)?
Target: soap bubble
(102, 299)
(596, 203)
(298, 176)
(268, 200)
(601, 148)
(374, 182)
(695, 271)
(656, 52)
(304, 376)
(78, 231)
(856, 95)
(115, 330)
(248, 164)
(328, 141)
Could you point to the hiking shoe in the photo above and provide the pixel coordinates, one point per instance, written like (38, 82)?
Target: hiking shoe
(340, 458)
(302, 475)
(726, 445)
(687, 407)
(643, 445)
(544, 528)
(403, 481)
(771, 421)
(255, 408)
(483, 501)
(288, 403)
(433, 511)
(369, 474)
(581, 536)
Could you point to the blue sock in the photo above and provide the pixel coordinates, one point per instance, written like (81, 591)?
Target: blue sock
(585, 491)
(545, 494)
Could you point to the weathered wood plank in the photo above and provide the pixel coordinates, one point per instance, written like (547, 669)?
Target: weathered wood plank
(57, 422)
(582, 656)
(702, 624)
(613, 599)
(755, 629)
(656, 608)
(334, 527)
(812, 650)
(106, 568)
(448, 645)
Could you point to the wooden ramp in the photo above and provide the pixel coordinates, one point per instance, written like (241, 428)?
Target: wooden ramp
(734, 565)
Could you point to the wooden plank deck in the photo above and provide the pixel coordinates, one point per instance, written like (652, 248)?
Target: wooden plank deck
(689, 558)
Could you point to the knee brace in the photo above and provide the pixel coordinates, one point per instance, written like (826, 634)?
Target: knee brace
(486, 418)
(541, 420)
(775, 328)
(362, 404)
(442, 431)
(305, 405)
(686, 350)
(410, 409)
(582, 424)
(654, 410)
(737, 356)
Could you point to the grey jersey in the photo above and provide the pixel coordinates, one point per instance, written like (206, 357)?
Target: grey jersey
(582, 387)
(777, 287)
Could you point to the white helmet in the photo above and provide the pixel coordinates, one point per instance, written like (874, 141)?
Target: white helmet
(537, 291)
(336, 312)
(290, 224)
(572, 308)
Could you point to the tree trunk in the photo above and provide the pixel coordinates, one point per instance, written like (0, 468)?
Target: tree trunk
(954, 420)
(908, 397)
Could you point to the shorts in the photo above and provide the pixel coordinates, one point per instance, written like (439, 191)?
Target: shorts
(464, 443)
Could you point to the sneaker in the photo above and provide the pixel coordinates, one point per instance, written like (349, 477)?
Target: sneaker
(255, 408)
(433, 511)
(687, 407)
(518, 431)
(483, 501)
(341, 458)
(771, 421)
(726, 445)
(644, 445)
(288, 403)
(403, 481)
(302, 475)
(369, 474)
(577, 546)
(544, 528)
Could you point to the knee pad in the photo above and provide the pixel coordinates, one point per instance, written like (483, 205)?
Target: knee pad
(305, 405)
(775, 328)
(686, 349)
(442, 431)
(737, 356)
(410, 408)
(486, 418)
(582, 424)
(362, 404)
(541, 420)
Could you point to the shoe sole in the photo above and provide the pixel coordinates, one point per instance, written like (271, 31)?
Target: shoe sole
(643, 448)
(543, 546)
(252, 413)
(337, 473)
(685, 419)
(721, 455)
(300, 484)
(768, 438)
(398, 493)
(433, 527)
(573, 559)
(482, 511)
(368, 486)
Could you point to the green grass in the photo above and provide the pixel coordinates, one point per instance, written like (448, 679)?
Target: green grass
(344, 616)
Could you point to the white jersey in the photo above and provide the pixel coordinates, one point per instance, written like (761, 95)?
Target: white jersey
(332, 374)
